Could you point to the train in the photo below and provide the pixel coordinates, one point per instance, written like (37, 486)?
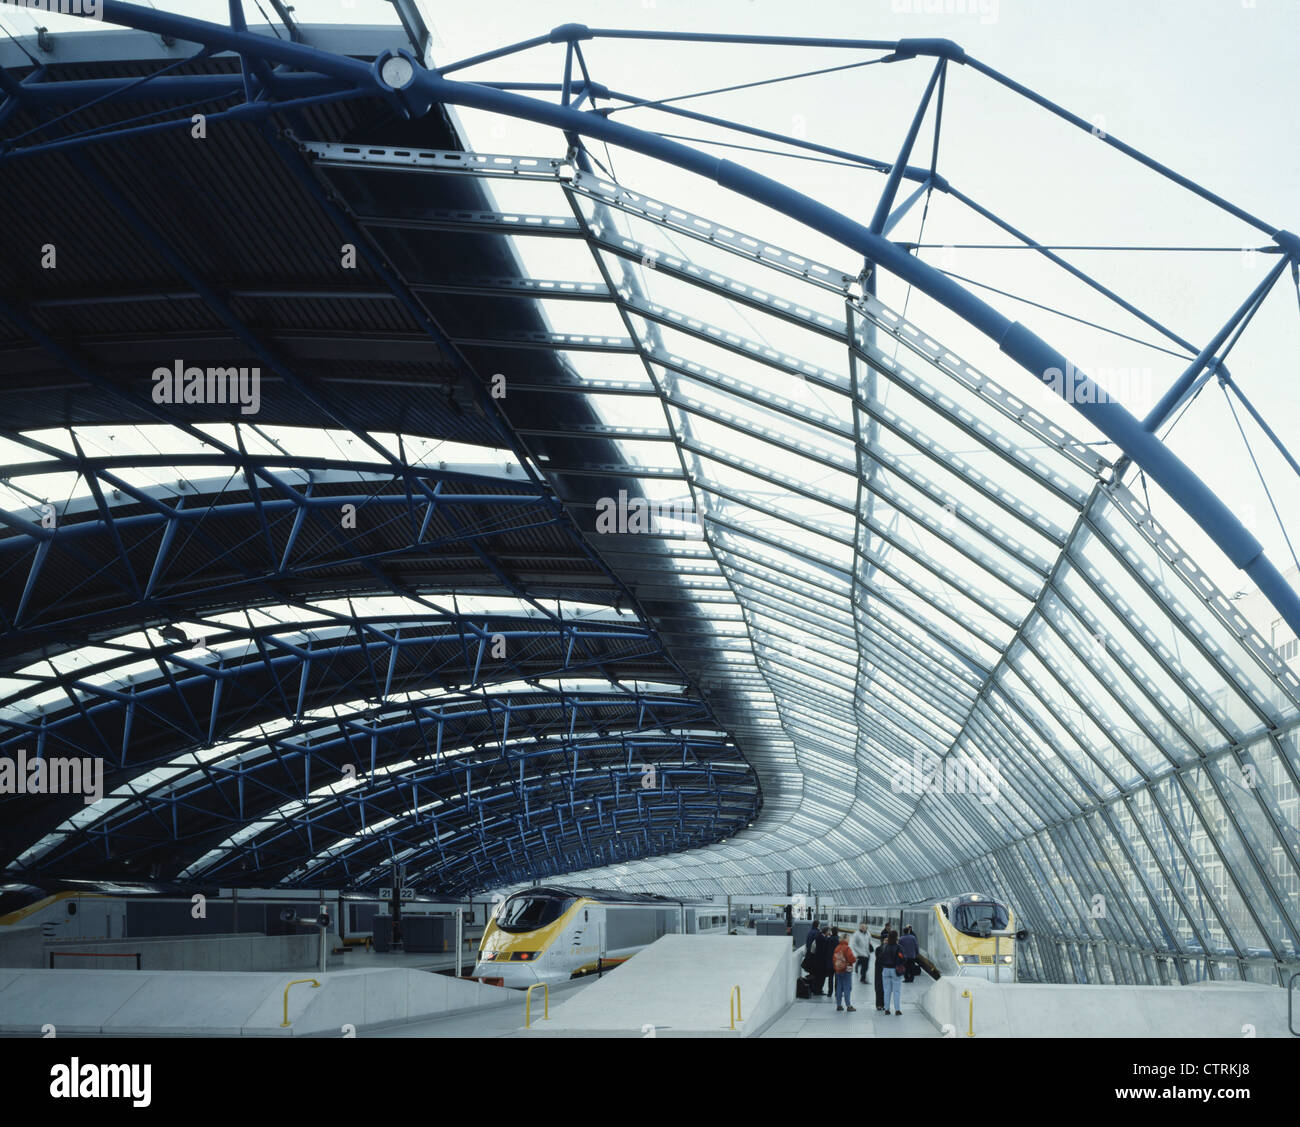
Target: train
(540, 934)
(85, 910)
(970, 934)
(551, 935)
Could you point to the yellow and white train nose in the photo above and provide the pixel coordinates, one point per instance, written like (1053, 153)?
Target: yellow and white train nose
(514, 968)
(992, 967)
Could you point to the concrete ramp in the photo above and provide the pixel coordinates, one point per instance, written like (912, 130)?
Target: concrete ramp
(229, 1004)
(679, 986)
(1212, 1009)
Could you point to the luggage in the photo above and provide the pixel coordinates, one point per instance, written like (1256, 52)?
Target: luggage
(803, 989)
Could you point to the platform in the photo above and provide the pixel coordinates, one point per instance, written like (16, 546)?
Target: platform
(225, 1004)
(679, 986)
(818, 1017)
(1207, 1009)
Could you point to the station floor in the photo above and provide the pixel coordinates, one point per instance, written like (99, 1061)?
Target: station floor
(817, 1017)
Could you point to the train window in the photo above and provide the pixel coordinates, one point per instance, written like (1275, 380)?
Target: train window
(72, 907)
(528, 912)
(972, 917)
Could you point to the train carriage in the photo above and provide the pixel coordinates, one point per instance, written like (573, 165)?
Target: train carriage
(555, 934)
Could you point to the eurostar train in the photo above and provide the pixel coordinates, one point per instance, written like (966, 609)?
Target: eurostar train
(555, 934)
(79, 910)
(953, 933)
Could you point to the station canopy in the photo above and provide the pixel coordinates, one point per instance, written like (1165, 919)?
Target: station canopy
(601, 522)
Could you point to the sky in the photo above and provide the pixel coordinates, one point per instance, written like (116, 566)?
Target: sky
(1207, 87)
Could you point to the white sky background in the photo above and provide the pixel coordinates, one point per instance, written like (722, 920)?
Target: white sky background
(1208, 87)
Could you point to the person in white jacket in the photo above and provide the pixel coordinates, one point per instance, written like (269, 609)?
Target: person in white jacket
(860, 943)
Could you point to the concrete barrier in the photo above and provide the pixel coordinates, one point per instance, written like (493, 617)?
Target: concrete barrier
(680, 986)
(221, 1004)
(1211, 1009)
(22, 946)
(240, 952)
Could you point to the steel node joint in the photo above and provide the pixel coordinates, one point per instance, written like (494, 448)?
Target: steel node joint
(570, 33)
(939, 48)
(396, 74)
(1290, 244)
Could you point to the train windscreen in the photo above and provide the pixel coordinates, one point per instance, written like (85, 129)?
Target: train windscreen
(974, 917)
(528, 913)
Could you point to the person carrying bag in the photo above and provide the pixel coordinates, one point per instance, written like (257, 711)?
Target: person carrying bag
(890, 959)
(842, 961)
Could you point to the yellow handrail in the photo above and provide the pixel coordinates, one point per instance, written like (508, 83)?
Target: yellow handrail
(734, 1002)
(285, 1023)
(968, 994)
(528, 1003)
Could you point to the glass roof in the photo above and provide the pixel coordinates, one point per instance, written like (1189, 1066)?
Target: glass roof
(970, 653)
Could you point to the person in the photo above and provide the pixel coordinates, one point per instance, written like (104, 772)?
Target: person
(887, 959)
(880, 966)
(911, 950)
(861, 944)
(812, 959)
(844, 958)
(830, 940)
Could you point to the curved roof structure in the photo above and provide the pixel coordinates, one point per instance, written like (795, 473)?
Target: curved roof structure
(576, 530)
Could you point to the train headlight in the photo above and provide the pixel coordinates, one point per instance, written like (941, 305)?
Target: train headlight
(1006, 958)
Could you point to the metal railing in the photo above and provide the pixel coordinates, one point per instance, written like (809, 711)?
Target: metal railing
(528, 1003)
(970, 1031)
(734, 1003)
(314, 983)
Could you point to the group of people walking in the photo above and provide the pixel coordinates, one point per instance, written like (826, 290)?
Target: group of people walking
(829, 959)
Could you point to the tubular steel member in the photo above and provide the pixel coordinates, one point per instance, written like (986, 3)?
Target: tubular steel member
(528, 1003)
(401, 79)
(314, 983)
